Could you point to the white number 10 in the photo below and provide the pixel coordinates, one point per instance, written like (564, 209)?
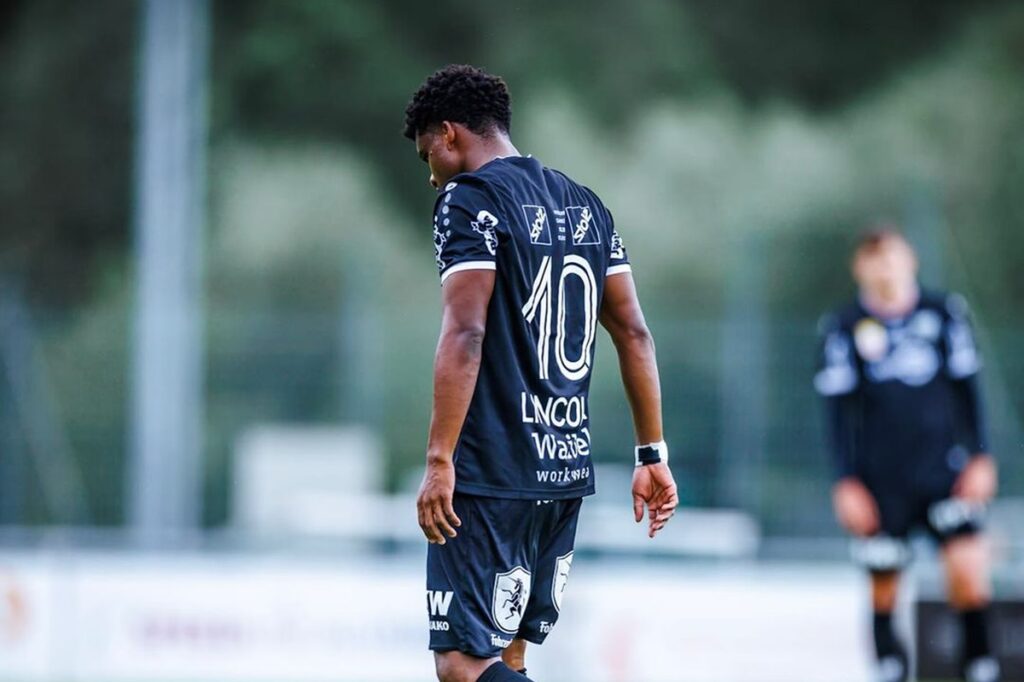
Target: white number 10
(538, 308)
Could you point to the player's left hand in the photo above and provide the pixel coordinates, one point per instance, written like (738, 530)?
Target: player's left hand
(654, 486)
(978, 481)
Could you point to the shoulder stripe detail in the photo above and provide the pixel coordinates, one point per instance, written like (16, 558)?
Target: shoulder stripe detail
(618, 269)
(468, 265)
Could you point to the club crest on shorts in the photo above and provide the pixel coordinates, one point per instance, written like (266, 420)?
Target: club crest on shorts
(562, 566)
(511, 593)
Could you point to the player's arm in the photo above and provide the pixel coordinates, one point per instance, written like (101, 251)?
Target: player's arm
(855, 507)
(622, 317)
(837, 381)
(979, 479)
(465, 297)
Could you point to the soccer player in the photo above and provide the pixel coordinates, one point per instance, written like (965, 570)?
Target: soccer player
(529, 262)
(899, 378)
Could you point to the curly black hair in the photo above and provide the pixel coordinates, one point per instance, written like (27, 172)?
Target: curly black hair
(462, 94)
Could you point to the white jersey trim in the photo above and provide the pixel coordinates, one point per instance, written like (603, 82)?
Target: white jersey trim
(618, 269)
(468, 265)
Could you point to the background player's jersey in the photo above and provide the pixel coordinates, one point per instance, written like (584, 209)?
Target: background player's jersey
(552, 243)
(902, 393)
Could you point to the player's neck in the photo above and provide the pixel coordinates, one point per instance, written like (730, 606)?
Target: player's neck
(893, 304)
(488, 150)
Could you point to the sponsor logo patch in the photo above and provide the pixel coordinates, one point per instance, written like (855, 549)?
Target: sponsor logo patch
(484, 225)
(538, 224)
(617, 247)
(438, 602)
(583, 225)
(871, 339)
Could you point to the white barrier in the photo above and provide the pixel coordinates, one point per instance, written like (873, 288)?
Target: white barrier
(143, 618)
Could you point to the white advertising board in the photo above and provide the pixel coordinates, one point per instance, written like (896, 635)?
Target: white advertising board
(201, 618)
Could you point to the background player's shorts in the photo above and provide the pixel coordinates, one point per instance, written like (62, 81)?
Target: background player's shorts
(503, 575)
(943, 517)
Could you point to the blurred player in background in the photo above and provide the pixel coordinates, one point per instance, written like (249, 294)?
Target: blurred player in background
(899, 377)
(529, 262)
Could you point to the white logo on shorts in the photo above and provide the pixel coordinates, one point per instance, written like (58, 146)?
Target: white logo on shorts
(562, 566)
(511, 594)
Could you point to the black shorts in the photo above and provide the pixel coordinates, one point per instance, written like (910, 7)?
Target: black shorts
(503, 576)
(942, 516)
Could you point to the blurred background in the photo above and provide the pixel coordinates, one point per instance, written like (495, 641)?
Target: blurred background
(219, 306)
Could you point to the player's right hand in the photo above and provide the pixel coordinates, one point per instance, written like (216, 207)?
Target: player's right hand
(434, 509)
(855, 508)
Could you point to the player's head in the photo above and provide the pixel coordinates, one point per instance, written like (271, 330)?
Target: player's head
(454, 110)
(884, 263)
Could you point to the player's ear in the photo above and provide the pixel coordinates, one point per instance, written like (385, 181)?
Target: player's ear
(448, 134)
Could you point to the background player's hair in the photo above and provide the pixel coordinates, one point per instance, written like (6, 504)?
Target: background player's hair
(875, 236)
(462, 94)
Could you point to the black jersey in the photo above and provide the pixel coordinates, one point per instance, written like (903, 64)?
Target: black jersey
(551, 243)
(901, 393)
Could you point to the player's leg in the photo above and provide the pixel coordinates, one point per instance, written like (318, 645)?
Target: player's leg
(455, 666)
(967, 575)
(885, 555)
(890, 652)
(956, 524)
(514, 655)
(967, 572)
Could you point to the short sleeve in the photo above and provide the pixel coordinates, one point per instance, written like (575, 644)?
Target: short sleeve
(837, 368)
(962, 357)
(466, 227)
(618, 259)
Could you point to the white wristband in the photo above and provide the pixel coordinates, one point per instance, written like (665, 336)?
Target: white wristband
(652, 453)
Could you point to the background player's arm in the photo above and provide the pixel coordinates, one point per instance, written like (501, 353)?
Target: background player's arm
(979, 479)
(855, 507)
(622, 317)
(465, 297)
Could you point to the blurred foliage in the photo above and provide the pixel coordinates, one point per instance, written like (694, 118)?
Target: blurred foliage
(740, 144)
(66, 131)
(344, 70)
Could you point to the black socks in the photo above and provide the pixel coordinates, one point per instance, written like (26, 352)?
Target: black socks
(499, 672)
(892, 657)
(979, 665)
(886, 643)
(975, 623)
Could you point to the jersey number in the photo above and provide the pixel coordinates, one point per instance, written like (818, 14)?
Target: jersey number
(539, 308)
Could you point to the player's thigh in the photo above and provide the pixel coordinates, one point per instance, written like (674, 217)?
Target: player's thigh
(551, 569)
